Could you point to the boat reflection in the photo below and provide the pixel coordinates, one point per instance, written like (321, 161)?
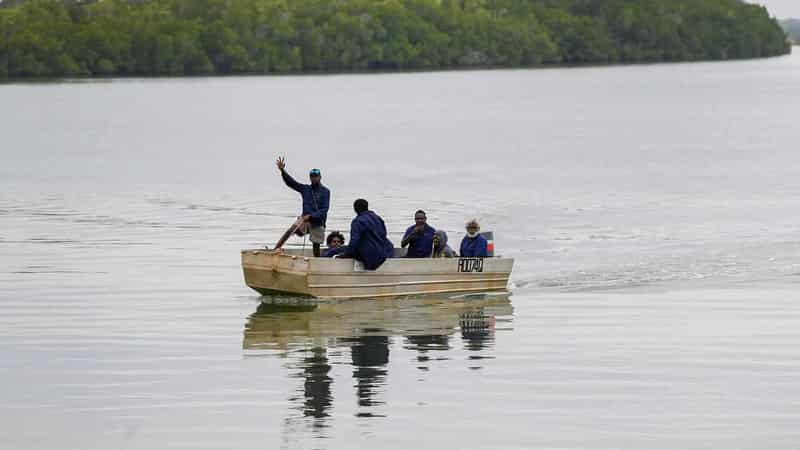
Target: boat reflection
(286, 323)
(318, 338)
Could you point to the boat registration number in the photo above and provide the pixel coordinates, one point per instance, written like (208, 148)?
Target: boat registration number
(470, 264)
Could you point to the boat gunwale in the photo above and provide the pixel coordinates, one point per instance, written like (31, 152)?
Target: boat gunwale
(394, 261)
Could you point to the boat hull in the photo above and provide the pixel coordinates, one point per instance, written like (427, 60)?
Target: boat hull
(297, 274)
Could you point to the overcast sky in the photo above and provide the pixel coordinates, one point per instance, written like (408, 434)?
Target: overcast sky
(781, 8)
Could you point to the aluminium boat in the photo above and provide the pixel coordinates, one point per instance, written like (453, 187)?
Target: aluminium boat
(297, 272)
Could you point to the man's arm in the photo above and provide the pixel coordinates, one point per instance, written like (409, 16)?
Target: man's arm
(483, 247)
(291, 182)
(383, 228)
(355, 238)
(409, 237)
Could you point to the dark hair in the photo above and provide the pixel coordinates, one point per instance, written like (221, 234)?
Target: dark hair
(334, 234)
(419, 211)
(360, 205)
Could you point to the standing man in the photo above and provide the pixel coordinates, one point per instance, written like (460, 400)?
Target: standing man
(368, 241)
(419, 237)
(316, 201)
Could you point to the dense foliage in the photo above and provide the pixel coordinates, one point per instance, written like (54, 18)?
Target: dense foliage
(175, 37)
(792, 27)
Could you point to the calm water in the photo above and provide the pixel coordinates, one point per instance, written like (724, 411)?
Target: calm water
(653, 211)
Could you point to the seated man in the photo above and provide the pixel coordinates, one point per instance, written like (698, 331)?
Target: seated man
(368, 241)
(474, 245)
(440, 247)
(419, 237)
(335, 243)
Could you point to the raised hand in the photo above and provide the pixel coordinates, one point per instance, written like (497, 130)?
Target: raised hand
(281, 163)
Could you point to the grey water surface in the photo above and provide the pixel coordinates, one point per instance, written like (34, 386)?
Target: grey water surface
(653, 212)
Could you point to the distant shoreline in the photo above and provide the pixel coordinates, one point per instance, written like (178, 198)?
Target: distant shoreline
(46, 39)
(80, 78)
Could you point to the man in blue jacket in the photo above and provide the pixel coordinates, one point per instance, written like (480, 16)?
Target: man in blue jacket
(474, 245)
(419, 237)
(316, 202)
(368, 241)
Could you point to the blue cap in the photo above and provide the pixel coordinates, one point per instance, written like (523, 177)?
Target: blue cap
(315, 173)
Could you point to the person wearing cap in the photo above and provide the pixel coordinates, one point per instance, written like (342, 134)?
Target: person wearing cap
(316, 202)
(474, 245)
(419, 237)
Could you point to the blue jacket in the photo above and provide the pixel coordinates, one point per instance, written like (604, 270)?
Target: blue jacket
(422, 246)
(331, 252)
(368, 241)
(474, 247)
(316, 200)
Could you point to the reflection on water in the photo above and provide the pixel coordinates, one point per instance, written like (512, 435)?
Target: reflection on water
(285, 323)
(477, 329)
(370, 355)
(317, 383)
(319, 337)
(655, 284)
(426, 344)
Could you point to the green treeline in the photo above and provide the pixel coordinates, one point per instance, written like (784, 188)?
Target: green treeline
(194, 37)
